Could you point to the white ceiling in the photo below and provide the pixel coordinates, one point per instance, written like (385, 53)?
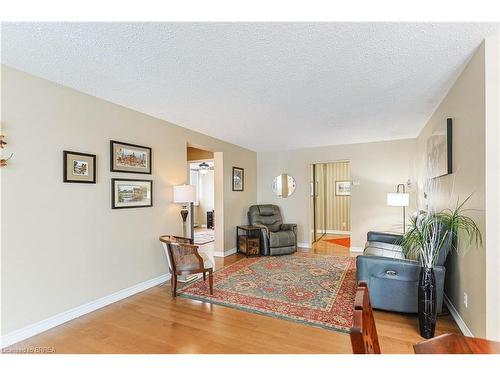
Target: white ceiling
(264, 86)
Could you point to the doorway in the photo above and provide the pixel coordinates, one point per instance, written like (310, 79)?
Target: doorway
(202, 177)
(330, 202)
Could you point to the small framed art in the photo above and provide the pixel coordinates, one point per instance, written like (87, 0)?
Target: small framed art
(79, 167)
(342, 188)
(126, 157)
(128, 193)
(238, 179)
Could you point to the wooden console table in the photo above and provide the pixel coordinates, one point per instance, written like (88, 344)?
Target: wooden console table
(248, 240)
(451, 343)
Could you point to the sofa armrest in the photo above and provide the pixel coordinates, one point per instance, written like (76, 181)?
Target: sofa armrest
(393, 283)
(292, 227)
(390, 238)
(264, 239)
(372, 265)
(264, 231)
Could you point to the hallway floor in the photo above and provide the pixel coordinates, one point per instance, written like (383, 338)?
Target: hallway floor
(154, 322)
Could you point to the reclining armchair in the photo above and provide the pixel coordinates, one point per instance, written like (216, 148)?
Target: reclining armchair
(392, 279)
(276, 238)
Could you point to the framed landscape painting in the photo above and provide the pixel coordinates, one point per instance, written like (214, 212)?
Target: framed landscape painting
(126, 157)
(128, 193)
(238, 179)
(79, 167)
(439, 150)
(343, 188)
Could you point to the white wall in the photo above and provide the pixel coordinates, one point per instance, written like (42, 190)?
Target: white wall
(62, 244)
(377, 166)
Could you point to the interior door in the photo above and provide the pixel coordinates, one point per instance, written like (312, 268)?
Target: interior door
(319, 201)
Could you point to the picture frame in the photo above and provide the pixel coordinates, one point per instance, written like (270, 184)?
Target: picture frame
(440, 150)
(130, 158)
(79, 167)
(238, 179)
(131, 193)
(343, 188)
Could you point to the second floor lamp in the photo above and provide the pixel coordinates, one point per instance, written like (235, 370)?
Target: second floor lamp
(186, 195)
(399, 199)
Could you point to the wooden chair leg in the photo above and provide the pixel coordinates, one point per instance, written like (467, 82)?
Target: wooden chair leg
(174, 285)
(204, 276)
(211, 281)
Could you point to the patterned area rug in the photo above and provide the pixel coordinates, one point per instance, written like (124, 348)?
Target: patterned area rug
(342, 241)
(308, 288)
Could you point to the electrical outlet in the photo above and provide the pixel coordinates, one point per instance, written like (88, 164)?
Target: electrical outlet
(466, 300)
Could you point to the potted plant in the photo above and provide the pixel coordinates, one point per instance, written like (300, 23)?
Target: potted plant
(429, 234)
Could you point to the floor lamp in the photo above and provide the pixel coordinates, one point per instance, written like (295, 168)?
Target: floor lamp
(186, 194)
(399, 199)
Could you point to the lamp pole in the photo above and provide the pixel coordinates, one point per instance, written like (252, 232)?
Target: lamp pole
(402, 186)
(191, 210)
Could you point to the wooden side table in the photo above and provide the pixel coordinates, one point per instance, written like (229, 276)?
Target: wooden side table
(248, 240)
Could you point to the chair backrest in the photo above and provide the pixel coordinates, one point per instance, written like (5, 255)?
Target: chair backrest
(265, 214)
(364, 338)
(181, 253)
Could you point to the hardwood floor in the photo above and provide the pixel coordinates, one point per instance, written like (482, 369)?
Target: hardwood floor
(154, 322)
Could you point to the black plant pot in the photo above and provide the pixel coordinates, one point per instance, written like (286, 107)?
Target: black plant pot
(427, 302)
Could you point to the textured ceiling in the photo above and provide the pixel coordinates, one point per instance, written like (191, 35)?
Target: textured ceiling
(264, 86)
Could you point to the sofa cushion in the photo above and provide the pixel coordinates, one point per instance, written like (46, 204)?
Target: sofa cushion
(383, 249)
(282, 238)
(390, 238)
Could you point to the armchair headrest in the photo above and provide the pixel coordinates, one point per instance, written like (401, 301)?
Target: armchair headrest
(268, 210)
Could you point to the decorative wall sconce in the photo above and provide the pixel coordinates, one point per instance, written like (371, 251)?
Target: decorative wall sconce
(3, 162)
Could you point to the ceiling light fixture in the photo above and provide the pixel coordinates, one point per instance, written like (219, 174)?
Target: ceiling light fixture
(204, 167)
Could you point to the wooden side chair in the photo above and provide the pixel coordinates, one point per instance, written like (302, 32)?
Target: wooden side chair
(184, 259)
(364, 338)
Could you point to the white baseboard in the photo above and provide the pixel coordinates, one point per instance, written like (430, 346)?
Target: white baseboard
(458, 319)
(305, 245)
(46, 324)
(331, 231)
(225, 253)
(356, 249)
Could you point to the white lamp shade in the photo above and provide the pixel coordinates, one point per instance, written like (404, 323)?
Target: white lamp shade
(398, 199)
(184, 193)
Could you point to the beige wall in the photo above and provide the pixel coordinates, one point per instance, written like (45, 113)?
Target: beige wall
(465, 104)
(492, 120)
(62, 244)
(377, 166)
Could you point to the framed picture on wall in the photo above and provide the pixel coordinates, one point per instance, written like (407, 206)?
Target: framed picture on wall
(439, 150)
(128, 193)
(343, 188)
(79, 167)
(126, 157)
(238, 179)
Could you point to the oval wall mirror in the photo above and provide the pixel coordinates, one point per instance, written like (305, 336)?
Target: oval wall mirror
(283, 185)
